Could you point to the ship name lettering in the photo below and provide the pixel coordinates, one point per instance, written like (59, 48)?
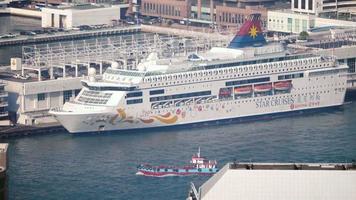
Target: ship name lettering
(274, 102)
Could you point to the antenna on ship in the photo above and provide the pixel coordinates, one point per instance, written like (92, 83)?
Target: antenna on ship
(198, 154)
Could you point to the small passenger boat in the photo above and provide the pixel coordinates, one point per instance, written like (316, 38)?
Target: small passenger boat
(198, 166)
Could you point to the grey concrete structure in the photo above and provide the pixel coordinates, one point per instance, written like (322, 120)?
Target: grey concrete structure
(280, 181)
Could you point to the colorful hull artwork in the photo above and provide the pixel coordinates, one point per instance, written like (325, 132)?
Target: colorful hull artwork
(121, 116)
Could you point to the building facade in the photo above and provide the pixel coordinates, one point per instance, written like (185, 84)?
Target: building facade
(30, 101)
(174, 9)
(4, 115)
(69, 17)
(322, 6)
(218, 12)
(287, 21)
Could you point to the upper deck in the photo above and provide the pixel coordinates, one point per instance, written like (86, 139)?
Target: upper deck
(214, 70)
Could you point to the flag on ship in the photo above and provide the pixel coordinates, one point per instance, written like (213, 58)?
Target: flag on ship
(250, 34)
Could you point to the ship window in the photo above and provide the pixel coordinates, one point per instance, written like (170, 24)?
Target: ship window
(134, 94)
(134, 101)
(41, 97)
(154, 92)
(67, 95)
(112, 88)
(290, 76)
(248, 81)
(178, 96)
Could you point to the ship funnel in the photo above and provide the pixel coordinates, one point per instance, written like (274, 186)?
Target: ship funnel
(250, 34)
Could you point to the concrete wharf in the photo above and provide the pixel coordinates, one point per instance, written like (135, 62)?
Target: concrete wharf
(3, 170)
(72, 35)
(22, 130)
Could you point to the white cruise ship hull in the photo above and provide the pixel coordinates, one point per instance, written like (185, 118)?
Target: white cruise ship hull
(243, 109)
(249, 79)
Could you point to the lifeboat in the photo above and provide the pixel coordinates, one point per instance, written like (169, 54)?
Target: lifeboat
(243, 90)
(283, 85)
(225, 91)
(263, 87)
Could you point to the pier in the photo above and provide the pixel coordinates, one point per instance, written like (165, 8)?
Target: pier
(72, 35)
(22, 130)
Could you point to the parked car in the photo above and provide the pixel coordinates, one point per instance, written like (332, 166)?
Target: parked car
(19, 76)
(38, 31)
(85, 27)
(9, 35)
(27, 33)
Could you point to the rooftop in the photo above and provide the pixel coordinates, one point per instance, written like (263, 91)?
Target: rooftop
(85, 6)
(280, 181)
(292, 166)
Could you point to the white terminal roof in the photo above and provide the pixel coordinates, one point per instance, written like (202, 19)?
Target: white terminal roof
(3, 147)
(282, 182)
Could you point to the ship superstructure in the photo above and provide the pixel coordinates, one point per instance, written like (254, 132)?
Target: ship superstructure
(225, 83)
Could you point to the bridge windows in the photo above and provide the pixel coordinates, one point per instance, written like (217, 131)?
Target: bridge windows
(155, 92)
(290, 76)
(134, 101)
(134, 94)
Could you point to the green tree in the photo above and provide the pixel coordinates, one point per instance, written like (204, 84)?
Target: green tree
(303, 35)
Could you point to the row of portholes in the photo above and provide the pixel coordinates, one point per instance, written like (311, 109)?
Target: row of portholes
(231, 70)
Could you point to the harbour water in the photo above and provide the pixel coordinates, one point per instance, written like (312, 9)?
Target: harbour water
(103, 166)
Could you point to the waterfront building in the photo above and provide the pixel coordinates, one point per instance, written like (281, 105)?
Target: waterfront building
(31, 99)
(3, 5)
(308, 14)
(86, 14)
(320, 7)
(231, 13)
(4, 115)
(288, 21)
(280, 181)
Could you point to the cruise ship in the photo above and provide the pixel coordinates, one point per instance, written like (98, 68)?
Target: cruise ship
(249, 79)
